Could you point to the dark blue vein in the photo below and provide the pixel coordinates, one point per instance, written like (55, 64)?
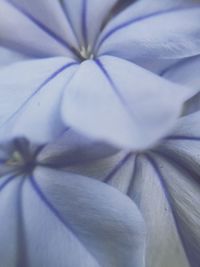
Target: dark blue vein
(66, 12)
(169, 201)
(84, 22)
(182, 137)
(22, 260)
(47, 203)
(52, 209)
(117, 167)
(135, 170)
(43, 27)
(114, 87)
(138, 19)
(7, 181)
(56, 73)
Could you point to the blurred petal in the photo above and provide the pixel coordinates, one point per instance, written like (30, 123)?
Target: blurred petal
(83, 13)
(122, 107)
(10, 221)
(186, 72)
(30, 97)
(8, 57)
(25, 32)
(86, 218)
(156, 36)
(72, 149)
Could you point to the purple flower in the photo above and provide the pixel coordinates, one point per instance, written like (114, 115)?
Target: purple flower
(85, 63)
(53, 216)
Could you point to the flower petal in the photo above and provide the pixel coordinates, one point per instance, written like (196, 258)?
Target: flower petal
(117, 101)
(184, 193)
(86, 218)
(83, 13)
(30, 96)
(186, 72)
(10, 244)
(8, 57)
(149, 37)
(23, 27)
(169, 201)
(73, 149)
(184, 143)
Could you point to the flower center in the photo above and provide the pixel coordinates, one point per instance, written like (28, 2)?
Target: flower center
(22, 157)
(22, 162)
(86, 53)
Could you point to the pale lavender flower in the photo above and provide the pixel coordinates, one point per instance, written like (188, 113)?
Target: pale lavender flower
(53, 216)
(86, 68)
(165, 183)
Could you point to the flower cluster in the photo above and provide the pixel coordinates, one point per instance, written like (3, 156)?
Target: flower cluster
(99, 133)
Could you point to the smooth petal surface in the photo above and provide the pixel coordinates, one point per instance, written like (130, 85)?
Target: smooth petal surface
(83, 13)
(149, 37)
(186, 72)
(122, 107)
(23, 27)
(10, 222)
(112, 234)
(8, 57)
(30, 97)
(59, 212)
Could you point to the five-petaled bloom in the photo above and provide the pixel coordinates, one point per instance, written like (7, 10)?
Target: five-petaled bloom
(115, 74)
(85, 67)
(53, 216)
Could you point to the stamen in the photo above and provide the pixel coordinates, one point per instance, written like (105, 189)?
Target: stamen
(86, 53)
(16, 159)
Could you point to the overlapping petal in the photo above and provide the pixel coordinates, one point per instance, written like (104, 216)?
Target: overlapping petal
(154, 36)
(9, 211)
(30, 98)
(8, 57)
(169, 199)
(87, 17)
(74, 149)
(183, 143)
(186, 72)
(122, 107)
(164, 182)
(37, 28)
(54, 212)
